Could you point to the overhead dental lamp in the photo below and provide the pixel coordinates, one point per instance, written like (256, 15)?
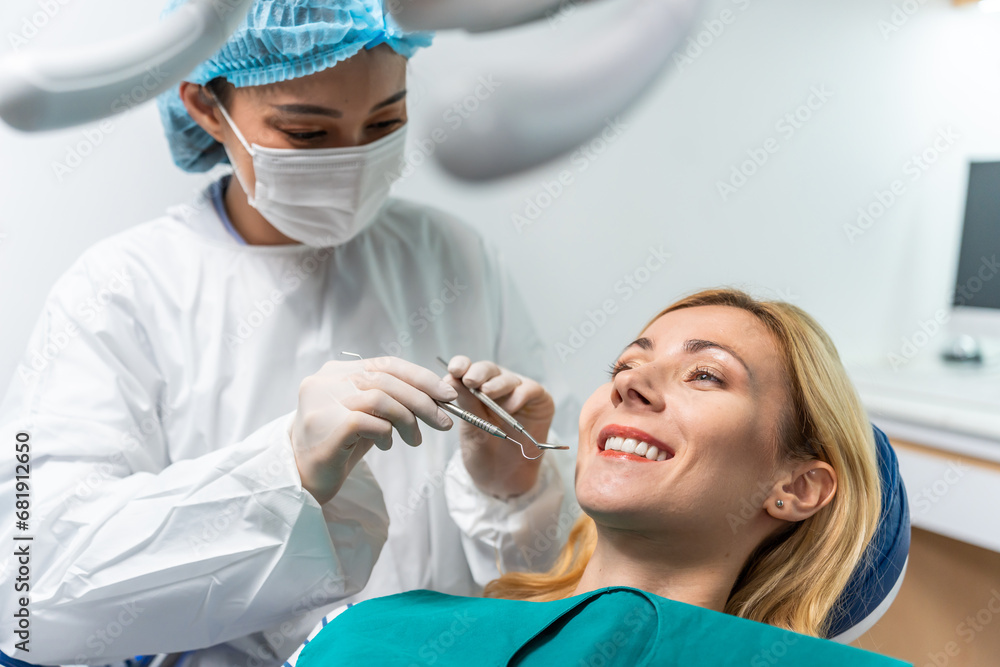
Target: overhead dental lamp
(42, 90)
(542, 113)
(553, 107)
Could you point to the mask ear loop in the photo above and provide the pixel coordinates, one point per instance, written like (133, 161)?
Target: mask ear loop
(242, 140)
(229, 119)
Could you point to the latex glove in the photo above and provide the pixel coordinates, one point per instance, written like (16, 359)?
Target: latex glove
(348, 406)
(495, 465)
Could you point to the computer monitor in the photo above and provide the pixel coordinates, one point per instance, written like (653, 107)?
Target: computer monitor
(976, 298)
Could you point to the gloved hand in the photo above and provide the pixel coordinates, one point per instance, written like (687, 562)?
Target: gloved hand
(348, 406)
(497, 466)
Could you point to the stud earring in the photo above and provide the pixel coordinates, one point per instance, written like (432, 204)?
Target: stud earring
(780, 503)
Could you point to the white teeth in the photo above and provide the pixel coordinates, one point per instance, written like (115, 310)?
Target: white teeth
(633, 446)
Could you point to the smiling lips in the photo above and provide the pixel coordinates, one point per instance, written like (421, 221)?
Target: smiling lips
(631, 444)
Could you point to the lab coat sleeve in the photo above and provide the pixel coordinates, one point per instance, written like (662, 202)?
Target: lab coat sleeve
(521, 534)
(524, 533)
(134, 554)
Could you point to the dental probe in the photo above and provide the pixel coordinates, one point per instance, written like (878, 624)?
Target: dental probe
(503, 414)
(483, 424)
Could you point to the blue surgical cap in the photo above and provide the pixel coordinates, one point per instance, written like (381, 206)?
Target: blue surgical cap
(279, 40)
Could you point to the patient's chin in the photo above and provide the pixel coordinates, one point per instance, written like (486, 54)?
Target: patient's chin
(616, 510)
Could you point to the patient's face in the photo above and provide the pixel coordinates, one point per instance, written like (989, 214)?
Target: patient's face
(707, 387)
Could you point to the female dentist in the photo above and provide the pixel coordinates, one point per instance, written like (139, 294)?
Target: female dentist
(195, 440)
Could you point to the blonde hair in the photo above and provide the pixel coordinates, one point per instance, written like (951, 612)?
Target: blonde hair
(794, 579)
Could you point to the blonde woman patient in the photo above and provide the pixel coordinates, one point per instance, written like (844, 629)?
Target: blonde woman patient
(722, 400)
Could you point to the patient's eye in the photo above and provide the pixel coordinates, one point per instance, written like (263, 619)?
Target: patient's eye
(618, 367)
(703, 375)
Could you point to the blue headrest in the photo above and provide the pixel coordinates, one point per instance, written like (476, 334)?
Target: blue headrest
(879, 571)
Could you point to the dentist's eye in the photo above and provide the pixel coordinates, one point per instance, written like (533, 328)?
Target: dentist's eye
(386, 124)
(306, 136)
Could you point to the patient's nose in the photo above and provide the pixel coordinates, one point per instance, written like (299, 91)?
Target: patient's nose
(633, 389)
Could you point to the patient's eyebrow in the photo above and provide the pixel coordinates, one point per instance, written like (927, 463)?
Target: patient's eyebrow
(696, 345)
(644, 343)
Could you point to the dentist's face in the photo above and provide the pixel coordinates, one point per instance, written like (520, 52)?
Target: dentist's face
(356, 102)
(705, 386)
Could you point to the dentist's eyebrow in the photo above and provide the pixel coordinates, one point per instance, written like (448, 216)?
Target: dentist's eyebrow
(392, 100)
(307, 110)
(317, 110)
(694, 346)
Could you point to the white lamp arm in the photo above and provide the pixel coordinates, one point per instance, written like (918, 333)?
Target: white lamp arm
(52, 90)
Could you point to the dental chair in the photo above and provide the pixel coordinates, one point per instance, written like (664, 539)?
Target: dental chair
(877, 580)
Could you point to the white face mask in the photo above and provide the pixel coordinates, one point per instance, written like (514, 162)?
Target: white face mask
(321, 197)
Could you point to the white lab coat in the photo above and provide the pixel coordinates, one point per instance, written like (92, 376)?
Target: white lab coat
(157, 389)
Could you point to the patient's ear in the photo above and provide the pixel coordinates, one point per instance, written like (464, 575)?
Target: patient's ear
(807, 488)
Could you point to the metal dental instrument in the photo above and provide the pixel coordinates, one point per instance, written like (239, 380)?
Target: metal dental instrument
(471, 418)
(503, 414)
(483, 424)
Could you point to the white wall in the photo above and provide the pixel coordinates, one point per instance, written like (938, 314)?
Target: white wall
(782, 234)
